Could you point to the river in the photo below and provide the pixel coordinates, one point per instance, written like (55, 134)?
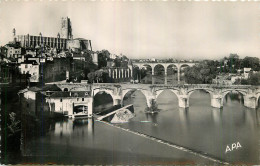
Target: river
(201, 128)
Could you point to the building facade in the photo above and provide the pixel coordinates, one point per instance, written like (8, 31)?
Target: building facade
(59, 42)
(13, 51)
(32, 68)
(37, 41)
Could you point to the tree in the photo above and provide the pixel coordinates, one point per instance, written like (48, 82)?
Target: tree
(103, 57)
(153, 108)
(91, 77)
(136, 73)
(15, 125)
(98, 76)
(254, 79)
(121, 62)
(233, 63)
(251, 62)
(117, 62)
(201, 73)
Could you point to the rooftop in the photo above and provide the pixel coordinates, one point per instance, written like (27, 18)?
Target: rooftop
(69, 94)
(52, 87)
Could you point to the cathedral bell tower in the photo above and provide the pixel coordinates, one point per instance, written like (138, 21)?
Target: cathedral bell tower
(14, 35)
(66, 28)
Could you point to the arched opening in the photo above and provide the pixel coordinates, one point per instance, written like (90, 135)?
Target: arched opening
(199, 98)
(136, 73)
(137, 98)
(232, 98)
(102, 102)
(65, 90)
(172, 74)
(182, 68)
(167, 100)
(146, 74)
(159, 74)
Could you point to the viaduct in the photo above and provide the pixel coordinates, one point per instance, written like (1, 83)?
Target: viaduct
(117, 73)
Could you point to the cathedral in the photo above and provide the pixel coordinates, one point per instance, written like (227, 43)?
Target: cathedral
(64, 40)
(59, 42)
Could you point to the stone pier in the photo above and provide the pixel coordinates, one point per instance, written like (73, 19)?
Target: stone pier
(183, 101)
(216, 101)
(250, 101)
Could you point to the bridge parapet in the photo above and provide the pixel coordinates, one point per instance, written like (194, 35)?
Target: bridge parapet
(179, 85)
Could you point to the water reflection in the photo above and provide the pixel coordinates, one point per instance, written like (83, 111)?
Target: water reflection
(152, 118)
(250, 118)
(62, 128)
(184, 119)
(217, 115)
(184, 115)
(257, 114)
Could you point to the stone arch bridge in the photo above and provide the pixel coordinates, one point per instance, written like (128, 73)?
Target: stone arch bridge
(165, 66)
(152, 91)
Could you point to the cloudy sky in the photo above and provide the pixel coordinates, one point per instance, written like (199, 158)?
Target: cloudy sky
(181, 30)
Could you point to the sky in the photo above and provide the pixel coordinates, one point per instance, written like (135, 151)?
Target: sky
(155, 29)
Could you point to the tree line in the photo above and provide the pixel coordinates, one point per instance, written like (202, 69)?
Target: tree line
(205, 71)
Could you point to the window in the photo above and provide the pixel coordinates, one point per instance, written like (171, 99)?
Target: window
(28, 105)
(77, 99)
(82, 99)
(26, 66)
(60, 100)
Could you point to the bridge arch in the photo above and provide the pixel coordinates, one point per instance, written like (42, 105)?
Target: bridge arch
(147, 94)
(186, 64)
(148, 67)
(210, 91)
(241, 91)
(107, 91)
(171, 65)
(159, 91)
(146, 64)
(198, 97)
(158, 65)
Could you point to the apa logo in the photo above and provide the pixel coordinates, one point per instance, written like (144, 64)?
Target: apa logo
(234, 146)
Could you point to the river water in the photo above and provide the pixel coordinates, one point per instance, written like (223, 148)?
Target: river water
(201, 128)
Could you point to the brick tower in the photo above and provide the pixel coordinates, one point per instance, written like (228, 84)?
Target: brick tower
(66, 28)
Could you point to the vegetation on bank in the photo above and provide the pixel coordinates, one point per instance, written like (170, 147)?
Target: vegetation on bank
(153, 108)
(254, 79)
(205, 71)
